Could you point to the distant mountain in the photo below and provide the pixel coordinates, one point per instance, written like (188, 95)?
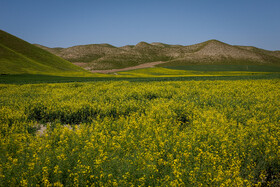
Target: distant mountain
(105, 56)
(18, 56)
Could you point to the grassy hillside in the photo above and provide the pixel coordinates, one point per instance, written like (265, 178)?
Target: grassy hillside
(105, 56)
(18, 56)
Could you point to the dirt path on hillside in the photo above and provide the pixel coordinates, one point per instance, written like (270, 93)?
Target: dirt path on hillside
(146, 65)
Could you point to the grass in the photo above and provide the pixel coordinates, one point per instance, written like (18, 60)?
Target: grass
(140, 75)
(182, 71)
(18, 56)
(249, 68)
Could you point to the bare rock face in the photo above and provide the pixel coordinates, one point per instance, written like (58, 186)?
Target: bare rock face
(105, 56)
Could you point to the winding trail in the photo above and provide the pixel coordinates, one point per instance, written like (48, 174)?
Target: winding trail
(146, 65)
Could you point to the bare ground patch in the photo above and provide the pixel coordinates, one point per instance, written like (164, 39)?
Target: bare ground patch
(146, 65)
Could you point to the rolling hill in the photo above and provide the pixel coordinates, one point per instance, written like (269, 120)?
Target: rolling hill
(105, 56)
(18, 56)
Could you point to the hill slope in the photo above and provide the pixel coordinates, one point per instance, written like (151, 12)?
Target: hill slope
(19, 56)
(105, 56)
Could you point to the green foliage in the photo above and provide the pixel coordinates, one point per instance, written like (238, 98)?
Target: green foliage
(121, 133)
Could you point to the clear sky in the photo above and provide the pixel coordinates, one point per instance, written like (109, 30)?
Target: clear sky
(64, 23)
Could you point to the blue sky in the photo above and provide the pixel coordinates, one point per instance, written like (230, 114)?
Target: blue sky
(64, 23)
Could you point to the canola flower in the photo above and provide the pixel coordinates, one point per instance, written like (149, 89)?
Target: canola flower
(120, 133)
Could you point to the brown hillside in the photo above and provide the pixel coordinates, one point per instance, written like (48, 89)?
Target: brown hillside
(106, 56)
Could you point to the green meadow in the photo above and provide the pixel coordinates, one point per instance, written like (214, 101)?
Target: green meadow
(190, 72)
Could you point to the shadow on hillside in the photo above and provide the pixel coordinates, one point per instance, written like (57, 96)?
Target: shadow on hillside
(35, 79)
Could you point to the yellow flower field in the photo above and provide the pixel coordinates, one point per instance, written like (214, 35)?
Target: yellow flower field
(121, 133)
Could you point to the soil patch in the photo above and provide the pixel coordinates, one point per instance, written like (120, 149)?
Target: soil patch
(146, 65)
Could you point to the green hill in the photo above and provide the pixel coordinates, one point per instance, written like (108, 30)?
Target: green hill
(18, 56)
(105, 56)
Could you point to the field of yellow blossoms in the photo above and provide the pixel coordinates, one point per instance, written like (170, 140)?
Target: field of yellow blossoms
(121, 133)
